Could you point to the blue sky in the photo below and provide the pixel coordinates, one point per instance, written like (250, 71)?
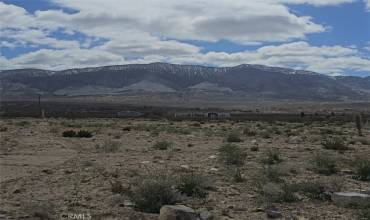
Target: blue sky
(326, 36)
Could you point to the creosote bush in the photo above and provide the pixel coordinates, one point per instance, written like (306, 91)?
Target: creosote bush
(232, 154)
(193, 184)
(162, 145)
(84, 134)
(363, 169)
(334, 143)
(250, 131)
(324, 164)
(272, 157)
(151, 192)
(79, 134)
(233, 137)
(69, 133)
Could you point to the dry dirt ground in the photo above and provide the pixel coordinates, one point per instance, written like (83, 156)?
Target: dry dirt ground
(46, 175)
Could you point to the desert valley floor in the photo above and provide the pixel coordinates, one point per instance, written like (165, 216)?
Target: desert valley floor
(241, 170)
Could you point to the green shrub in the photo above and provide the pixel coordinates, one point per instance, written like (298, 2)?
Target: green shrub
(272, 157)
(162, 145)
(84, 134)
(233, 137)
(363, 169)
(69, 133)
(248, 131)
(273, 174)
(324, 164)
(314, 190)
(153, 191)
(22, 123)
(237, 175)
(334, 143)
(232, 154)
(192, 184)
(284, 192)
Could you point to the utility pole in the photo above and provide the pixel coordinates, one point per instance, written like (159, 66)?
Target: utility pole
(42, 112)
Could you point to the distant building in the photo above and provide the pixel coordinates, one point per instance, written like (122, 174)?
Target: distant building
(129, 114)
(203, 115)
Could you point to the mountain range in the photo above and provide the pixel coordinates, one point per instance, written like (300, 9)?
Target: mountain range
(250, 82)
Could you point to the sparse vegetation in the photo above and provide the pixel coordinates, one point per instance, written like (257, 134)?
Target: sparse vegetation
(79, 134)
(151, 192)
(334, 143)
(162, 145)
(232, 154)
(69, 133)
(250, 131)
(363, 169)
(233, 137)
(193, 184)
(358, 120)
(324, 164)
(272, 157)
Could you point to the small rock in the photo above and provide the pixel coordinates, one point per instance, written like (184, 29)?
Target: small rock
(206, 215)
(47, 171)
(350, 199)
(273, 213)
(212, 157)
(177, 212)
(295, 140)
(346, 172)
(145, 162)
(185, 167)
(366, 191)
(213, 169)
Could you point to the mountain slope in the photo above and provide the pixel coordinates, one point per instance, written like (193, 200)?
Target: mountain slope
(250, 81)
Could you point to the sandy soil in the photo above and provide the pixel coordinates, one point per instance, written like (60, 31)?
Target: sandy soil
(43, 172)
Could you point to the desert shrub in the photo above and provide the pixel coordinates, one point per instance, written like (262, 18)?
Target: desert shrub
(273, 174)
(116, 187)
(250, 131)
(362, 140)
(127, 128)
(334, 143)
(314, 190)
(358, 120)
(266, 134)
(363, 169)
(110, 146)
(22, 123)
(237, 175)
(84, 134)
(324, 164)
(233, 137)
(254, 148)
(153, 191)
(364, 214)
(272, 157)
(193, 184)
(284, 192)
(232, 154)
(69, 133)
(162, 145)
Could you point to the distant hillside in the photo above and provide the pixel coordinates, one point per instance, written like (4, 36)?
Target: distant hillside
(248, 81)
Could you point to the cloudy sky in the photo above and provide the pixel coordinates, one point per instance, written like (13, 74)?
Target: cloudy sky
(327, 36)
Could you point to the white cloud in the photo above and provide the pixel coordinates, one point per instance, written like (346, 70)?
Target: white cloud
(157, 30)
(367, 2)
(333, 60)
